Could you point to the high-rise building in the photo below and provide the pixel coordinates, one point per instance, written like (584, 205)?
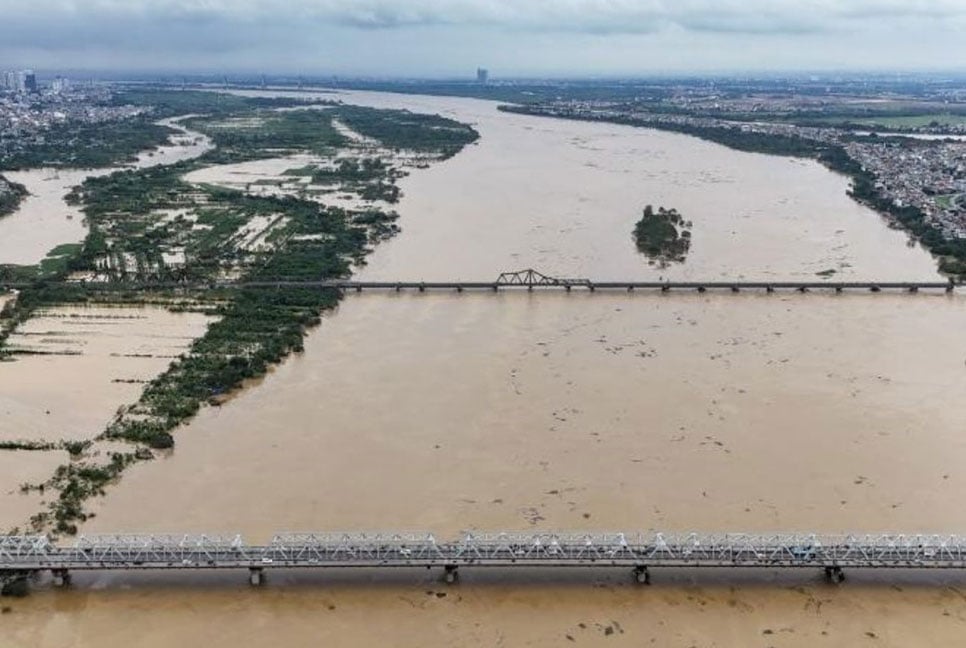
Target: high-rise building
(29, 83)
(482, 76)
(19, 81)
(59, 85)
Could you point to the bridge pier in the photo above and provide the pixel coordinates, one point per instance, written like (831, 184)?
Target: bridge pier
(61, 577)
(567, 287)
(913, 289)
(451, 574)
(769, 289)
(459, 289)
(735, 289)
(834, 575)
(256, 576)
(875, 288)
(642, 575)
(630, 289)
(702, 289)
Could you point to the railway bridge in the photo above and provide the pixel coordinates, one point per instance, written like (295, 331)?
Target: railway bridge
(529, 280)
(21, 556)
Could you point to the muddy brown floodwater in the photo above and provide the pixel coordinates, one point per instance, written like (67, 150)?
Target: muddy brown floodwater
(44, 220)
(553, 411)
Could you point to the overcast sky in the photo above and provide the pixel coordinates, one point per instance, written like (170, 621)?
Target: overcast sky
(511, 37)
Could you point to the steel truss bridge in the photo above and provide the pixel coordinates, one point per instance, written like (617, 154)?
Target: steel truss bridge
(24, 555)
(529, 280)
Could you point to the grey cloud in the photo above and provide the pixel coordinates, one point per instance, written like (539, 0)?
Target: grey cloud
(592, 16)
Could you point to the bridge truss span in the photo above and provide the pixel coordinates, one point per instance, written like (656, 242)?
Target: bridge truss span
(639, 551)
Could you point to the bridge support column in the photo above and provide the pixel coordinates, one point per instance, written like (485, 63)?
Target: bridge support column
(451, 574)
(642, 575)
(256, 576)
(567, 287)
(834, 575)
(769, 289)
(913, 289)
(630, 289)
(875, 289)
(459, 289)
(735, 289)
(61, 577)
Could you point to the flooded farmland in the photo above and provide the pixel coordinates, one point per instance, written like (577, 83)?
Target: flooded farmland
(553, 411)
(45, 220)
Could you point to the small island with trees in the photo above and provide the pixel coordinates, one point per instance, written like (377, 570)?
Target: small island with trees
(663, 236)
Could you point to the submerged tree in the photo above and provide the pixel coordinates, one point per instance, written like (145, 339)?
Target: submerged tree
(663, 236)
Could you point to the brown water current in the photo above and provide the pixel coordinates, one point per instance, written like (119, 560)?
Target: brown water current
(554, 411)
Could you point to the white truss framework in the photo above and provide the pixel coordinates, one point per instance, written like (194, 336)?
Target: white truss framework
(354, 549)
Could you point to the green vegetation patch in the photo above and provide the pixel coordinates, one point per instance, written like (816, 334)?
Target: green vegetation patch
(277, 134)
(403, 130)
(81, 145)
(11, 195)
(663, 236)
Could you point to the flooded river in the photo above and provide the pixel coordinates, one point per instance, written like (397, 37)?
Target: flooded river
(45, 220)
(553, 411)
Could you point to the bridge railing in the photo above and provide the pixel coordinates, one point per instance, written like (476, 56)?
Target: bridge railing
(293, 549)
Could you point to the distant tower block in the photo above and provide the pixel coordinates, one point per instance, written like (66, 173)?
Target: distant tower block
(482, 76)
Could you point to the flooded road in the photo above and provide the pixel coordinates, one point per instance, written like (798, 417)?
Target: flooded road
(45, 220)
(554, 411)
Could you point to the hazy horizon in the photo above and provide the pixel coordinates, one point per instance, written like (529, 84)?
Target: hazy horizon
(450, 38)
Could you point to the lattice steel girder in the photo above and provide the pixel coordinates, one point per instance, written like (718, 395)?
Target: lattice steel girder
(576, 548)
(13, 547)
(531, 277)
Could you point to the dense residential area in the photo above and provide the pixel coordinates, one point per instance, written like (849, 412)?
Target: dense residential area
(55, 114)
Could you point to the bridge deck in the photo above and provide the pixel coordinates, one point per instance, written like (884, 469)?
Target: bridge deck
(491, 286)
(507, 550)
(698, 286)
